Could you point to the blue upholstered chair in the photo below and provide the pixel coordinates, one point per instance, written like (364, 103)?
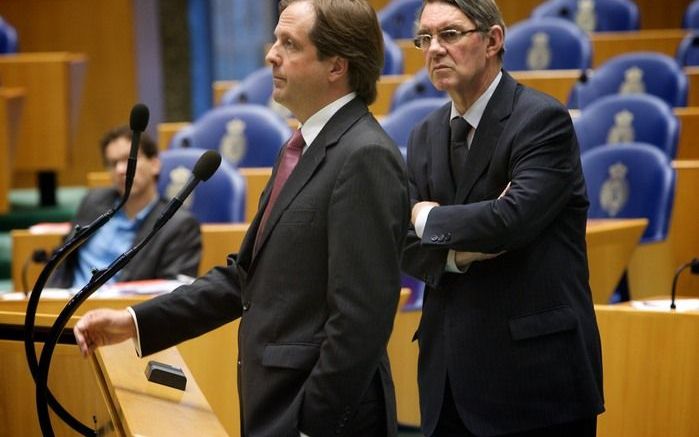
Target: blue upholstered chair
(632, 180)
(246, 135)
(397, 18)
(398, 123)
(393, 56)
(221, 199)
(618, 118)
(546, 43)
(688, 50)
(690, 20)
(593, 15)
(634, 73)
(417, 87)
(417, 290)
(8, 37)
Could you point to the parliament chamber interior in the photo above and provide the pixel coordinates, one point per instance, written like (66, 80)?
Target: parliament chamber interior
(69, 70)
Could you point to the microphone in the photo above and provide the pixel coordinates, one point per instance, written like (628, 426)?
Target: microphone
(138, 120)
(694, 268)
(205, 167)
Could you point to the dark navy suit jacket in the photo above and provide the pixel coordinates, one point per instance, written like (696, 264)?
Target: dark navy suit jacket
(516, 334)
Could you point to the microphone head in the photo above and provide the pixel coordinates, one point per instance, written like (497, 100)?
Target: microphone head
(139, 117)
(207, 165)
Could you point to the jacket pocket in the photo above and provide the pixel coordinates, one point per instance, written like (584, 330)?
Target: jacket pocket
(300, 356)
(546, 322)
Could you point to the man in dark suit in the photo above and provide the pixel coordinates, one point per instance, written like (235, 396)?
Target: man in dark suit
(317, 278)
(175, 250)
(508, 338)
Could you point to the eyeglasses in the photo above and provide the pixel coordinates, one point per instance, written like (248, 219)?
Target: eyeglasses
(444, 37)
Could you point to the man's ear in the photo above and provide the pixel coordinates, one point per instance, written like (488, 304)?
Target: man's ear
(339, 68)
(156, 166)
(496, 39)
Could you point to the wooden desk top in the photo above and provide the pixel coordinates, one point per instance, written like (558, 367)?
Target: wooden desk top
(149, 409)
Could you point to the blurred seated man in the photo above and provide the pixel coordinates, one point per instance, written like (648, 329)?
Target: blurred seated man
(174, 250)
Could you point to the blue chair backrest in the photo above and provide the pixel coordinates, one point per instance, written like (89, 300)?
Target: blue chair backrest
(398, 17)
(400, 122)
(417, 291)
(688, 50)
(690, 20)
(546, 43)
(632, 180)
(417, 87)
(257, 89)
(393, 56)
(8, 37)
(604, 15)
(634, 73)
(221, 199)
(628, 118)
(245, 135)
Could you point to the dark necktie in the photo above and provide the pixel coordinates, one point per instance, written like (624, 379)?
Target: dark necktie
(458, 148)
(290, 157)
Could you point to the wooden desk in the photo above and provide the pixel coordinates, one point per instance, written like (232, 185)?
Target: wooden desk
(11, 103)
(218, 240)
(610, 245)
(651, 382)
(139, 407)
(71, 381)
(53, 84)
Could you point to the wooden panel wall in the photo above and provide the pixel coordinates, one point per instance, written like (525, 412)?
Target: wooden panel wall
(103, 31)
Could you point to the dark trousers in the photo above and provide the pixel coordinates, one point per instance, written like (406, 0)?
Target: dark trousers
(451, 425)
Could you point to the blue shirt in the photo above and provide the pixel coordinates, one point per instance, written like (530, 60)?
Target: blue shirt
(111, 240)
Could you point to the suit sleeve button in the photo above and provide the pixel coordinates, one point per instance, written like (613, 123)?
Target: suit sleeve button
(434, 238)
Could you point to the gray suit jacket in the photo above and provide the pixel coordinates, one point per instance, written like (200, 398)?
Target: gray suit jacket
(318, 298)
(174, 250)
(516, 334)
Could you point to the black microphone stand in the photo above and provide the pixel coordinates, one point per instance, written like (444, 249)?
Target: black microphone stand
(80, 236)
(694, 264)
(98, 279)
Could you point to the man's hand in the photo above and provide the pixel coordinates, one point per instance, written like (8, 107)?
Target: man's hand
(462, 259)
(419, 207)
(103, 327)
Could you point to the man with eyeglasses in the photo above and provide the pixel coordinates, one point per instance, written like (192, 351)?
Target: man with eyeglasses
(509, 344)
(174, 251)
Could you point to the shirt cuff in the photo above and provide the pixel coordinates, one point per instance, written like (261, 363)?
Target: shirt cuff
(137, 339)
(451, 266)
(302, 434)
(421, 220)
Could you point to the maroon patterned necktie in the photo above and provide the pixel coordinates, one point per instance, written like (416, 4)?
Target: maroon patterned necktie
(290, 157)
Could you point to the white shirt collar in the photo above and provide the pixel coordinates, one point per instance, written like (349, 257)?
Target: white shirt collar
(315, 123)
(474, 114)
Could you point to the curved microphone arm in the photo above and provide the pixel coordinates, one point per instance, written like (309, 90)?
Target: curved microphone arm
(694, 264)
(98, 279)
(138, 122)
(202, 171)
(82, 233)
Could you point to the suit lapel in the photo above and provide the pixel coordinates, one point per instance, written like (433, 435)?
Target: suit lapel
(487, 135)
(442, 186)
(307, 166)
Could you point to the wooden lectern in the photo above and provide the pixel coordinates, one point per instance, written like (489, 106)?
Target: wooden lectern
(113, 395)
